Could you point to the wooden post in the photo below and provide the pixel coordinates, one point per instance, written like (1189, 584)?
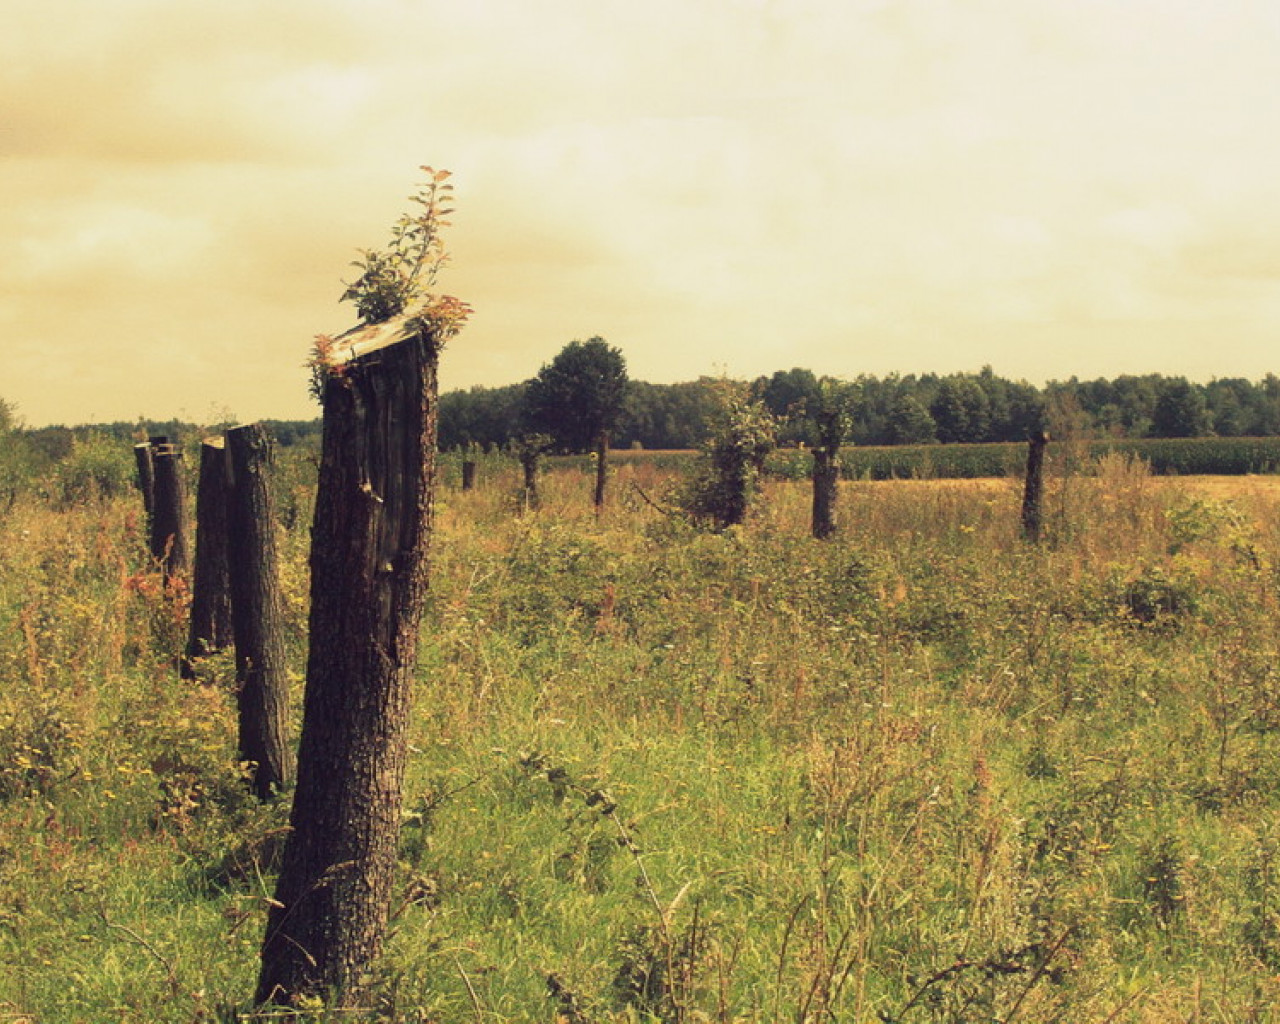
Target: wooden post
(602, 473)
(146, 481)
(1033, 492)
(211, 627)
(257, 609)
(368, 589)
(169, 516)
(529, 463)
(468, 474)
(826, 473)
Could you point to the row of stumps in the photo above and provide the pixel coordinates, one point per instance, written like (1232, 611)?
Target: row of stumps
(368, 589)
(235, 580)
(369, 551)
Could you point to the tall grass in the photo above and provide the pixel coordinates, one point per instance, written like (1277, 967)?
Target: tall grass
(925, 772)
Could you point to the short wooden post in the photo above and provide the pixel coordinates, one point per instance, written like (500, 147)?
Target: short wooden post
(529, 459)
(468, 474)
(211, 627)
(169, 516)
(257, 607)
(826, 473)
(1033, 492)
(146, 481)
(368, 591)
(602, 470)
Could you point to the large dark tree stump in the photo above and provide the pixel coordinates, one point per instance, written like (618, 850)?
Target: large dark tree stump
(468, 474)
(368, 587)
(211, 626)
(257, 607)
(168, 510)
(1033, 491)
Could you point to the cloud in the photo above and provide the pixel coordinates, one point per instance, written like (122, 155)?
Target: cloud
(861, 185)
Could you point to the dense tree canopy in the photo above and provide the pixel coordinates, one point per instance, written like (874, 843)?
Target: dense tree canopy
(915, 409)
(578, 396)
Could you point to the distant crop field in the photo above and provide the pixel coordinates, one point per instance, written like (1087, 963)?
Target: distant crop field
(1217, 456)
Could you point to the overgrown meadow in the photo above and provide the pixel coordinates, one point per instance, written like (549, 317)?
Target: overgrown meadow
(923, 772)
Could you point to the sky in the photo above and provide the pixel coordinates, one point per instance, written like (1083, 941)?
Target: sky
(716, 187)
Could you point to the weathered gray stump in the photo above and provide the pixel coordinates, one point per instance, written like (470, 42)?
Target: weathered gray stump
(368, 589)
(257, 610)
(826, 474)
(168, 510)
(468, 474)
(211, 625)
(1033, 491)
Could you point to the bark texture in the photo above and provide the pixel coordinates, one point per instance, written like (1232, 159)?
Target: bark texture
(826, 473)
(168, 510)
(1033, 491)
(368, 586)
(257, 606)
(211, 628)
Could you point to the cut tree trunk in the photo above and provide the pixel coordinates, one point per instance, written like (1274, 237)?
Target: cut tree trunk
(168, 510)
(368, 588)
(826, 474)
(146, 481)
(468, 474)
(211, 627)
(257, 607)
(529, 464)
(602, 455)
(1033, 492)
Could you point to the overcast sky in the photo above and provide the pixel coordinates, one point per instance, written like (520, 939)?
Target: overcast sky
(1052, 187)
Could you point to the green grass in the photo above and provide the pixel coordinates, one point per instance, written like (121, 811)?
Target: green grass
(923, 773)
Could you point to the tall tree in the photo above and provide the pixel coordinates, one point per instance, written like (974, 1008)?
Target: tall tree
(577, 399)
(1180, 410)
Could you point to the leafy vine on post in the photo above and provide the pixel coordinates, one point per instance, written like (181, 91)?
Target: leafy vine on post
(377, 384)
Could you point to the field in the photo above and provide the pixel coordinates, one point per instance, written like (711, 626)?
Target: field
(923, 772)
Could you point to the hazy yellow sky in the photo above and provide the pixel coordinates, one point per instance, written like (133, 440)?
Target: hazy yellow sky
(1053, 187)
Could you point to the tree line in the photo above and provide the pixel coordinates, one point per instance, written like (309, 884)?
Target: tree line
(908, 409)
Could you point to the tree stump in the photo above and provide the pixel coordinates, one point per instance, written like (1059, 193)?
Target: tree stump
(529, 465)
(826, 474)
(168, 510)
(468, 474)
(211, 625)
(602, 471)
(1033, 491)
(257, 608)
(146, 481)
(368, 588)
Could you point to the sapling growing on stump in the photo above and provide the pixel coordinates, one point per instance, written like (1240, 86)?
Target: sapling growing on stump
(377, 384)
(742, 435)
(529, 449)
